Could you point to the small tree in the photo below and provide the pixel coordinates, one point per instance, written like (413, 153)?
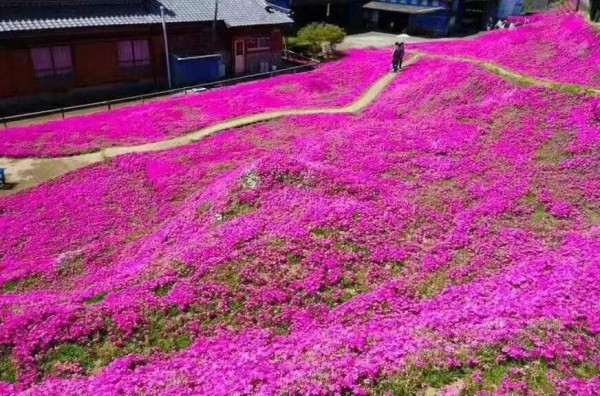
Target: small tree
(320, 34)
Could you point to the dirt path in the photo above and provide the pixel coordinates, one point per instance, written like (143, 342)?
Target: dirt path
(30, 172)
(517, 77)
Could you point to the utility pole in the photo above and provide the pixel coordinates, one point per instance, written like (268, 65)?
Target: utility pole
(214, 28)
(168, 61)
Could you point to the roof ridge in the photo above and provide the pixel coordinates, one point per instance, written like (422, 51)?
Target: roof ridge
(43, 3)
(89, 13)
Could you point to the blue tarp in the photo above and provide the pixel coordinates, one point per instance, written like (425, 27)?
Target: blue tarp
(189, 69)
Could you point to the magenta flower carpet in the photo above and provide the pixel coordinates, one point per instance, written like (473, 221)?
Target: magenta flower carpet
(444, 241)
(557, 46)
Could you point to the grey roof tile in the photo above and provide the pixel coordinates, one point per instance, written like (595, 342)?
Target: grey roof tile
(73, 14)
(232, 12)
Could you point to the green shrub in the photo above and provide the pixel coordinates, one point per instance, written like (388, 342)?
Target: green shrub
(299, 47)
(316, 34)
(8, 370)
(68, 352)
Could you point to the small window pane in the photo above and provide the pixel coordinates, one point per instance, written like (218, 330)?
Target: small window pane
(252, 43)
(264, 42)
(52, 61)
(125, 52)
(141, 51)
(63, 62)
(42, 61)
(134, 53)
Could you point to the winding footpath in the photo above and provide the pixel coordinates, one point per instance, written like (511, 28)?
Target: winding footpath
(517, 77)
(25, 173)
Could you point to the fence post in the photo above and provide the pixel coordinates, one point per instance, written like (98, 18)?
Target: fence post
(109, 106)
(62, 112)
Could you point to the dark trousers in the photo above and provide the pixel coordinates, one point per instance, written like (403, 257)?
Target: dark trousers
(397, 64)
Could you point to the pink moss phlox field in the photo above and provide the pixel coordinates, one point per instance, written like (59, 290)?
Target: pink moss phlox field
(559, 46)
(456, 218)
(332, 84)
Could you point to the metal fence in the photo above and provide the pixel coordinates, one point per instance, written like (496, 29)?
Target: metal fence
(304, 64)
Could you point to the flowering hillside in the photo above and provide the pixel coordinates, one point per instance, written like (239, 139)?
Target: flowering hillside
(447, 239)
(557, 46)
(333, 84)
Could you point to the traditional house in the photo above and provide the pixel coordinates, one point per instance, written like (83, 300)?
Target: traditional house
(64, 50)
(433, 17)
(416, 17)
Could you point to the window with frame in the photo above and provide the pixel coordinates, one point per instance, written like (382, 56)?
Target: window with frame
(134, 54)
(54, 61)
(258, 43)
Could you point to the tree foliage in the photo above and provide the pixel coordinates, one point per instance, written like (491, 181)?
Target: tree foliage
(317, 34)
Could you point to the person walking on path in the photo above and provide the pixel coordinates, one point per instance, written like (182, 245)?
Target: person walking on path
(397, 57)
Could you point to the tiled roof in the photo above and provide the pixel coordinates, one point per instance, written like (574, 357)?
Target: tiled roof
(20, 3)
(65, 14)
(61, 17)
(232, 12)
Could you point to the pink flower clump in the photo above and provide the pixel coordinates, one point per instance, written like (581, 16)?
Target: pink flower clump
(447, 237)
(558, 46)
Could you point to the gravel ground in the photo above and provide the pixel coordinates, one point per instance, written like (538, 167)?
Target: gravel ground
(377, 40)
